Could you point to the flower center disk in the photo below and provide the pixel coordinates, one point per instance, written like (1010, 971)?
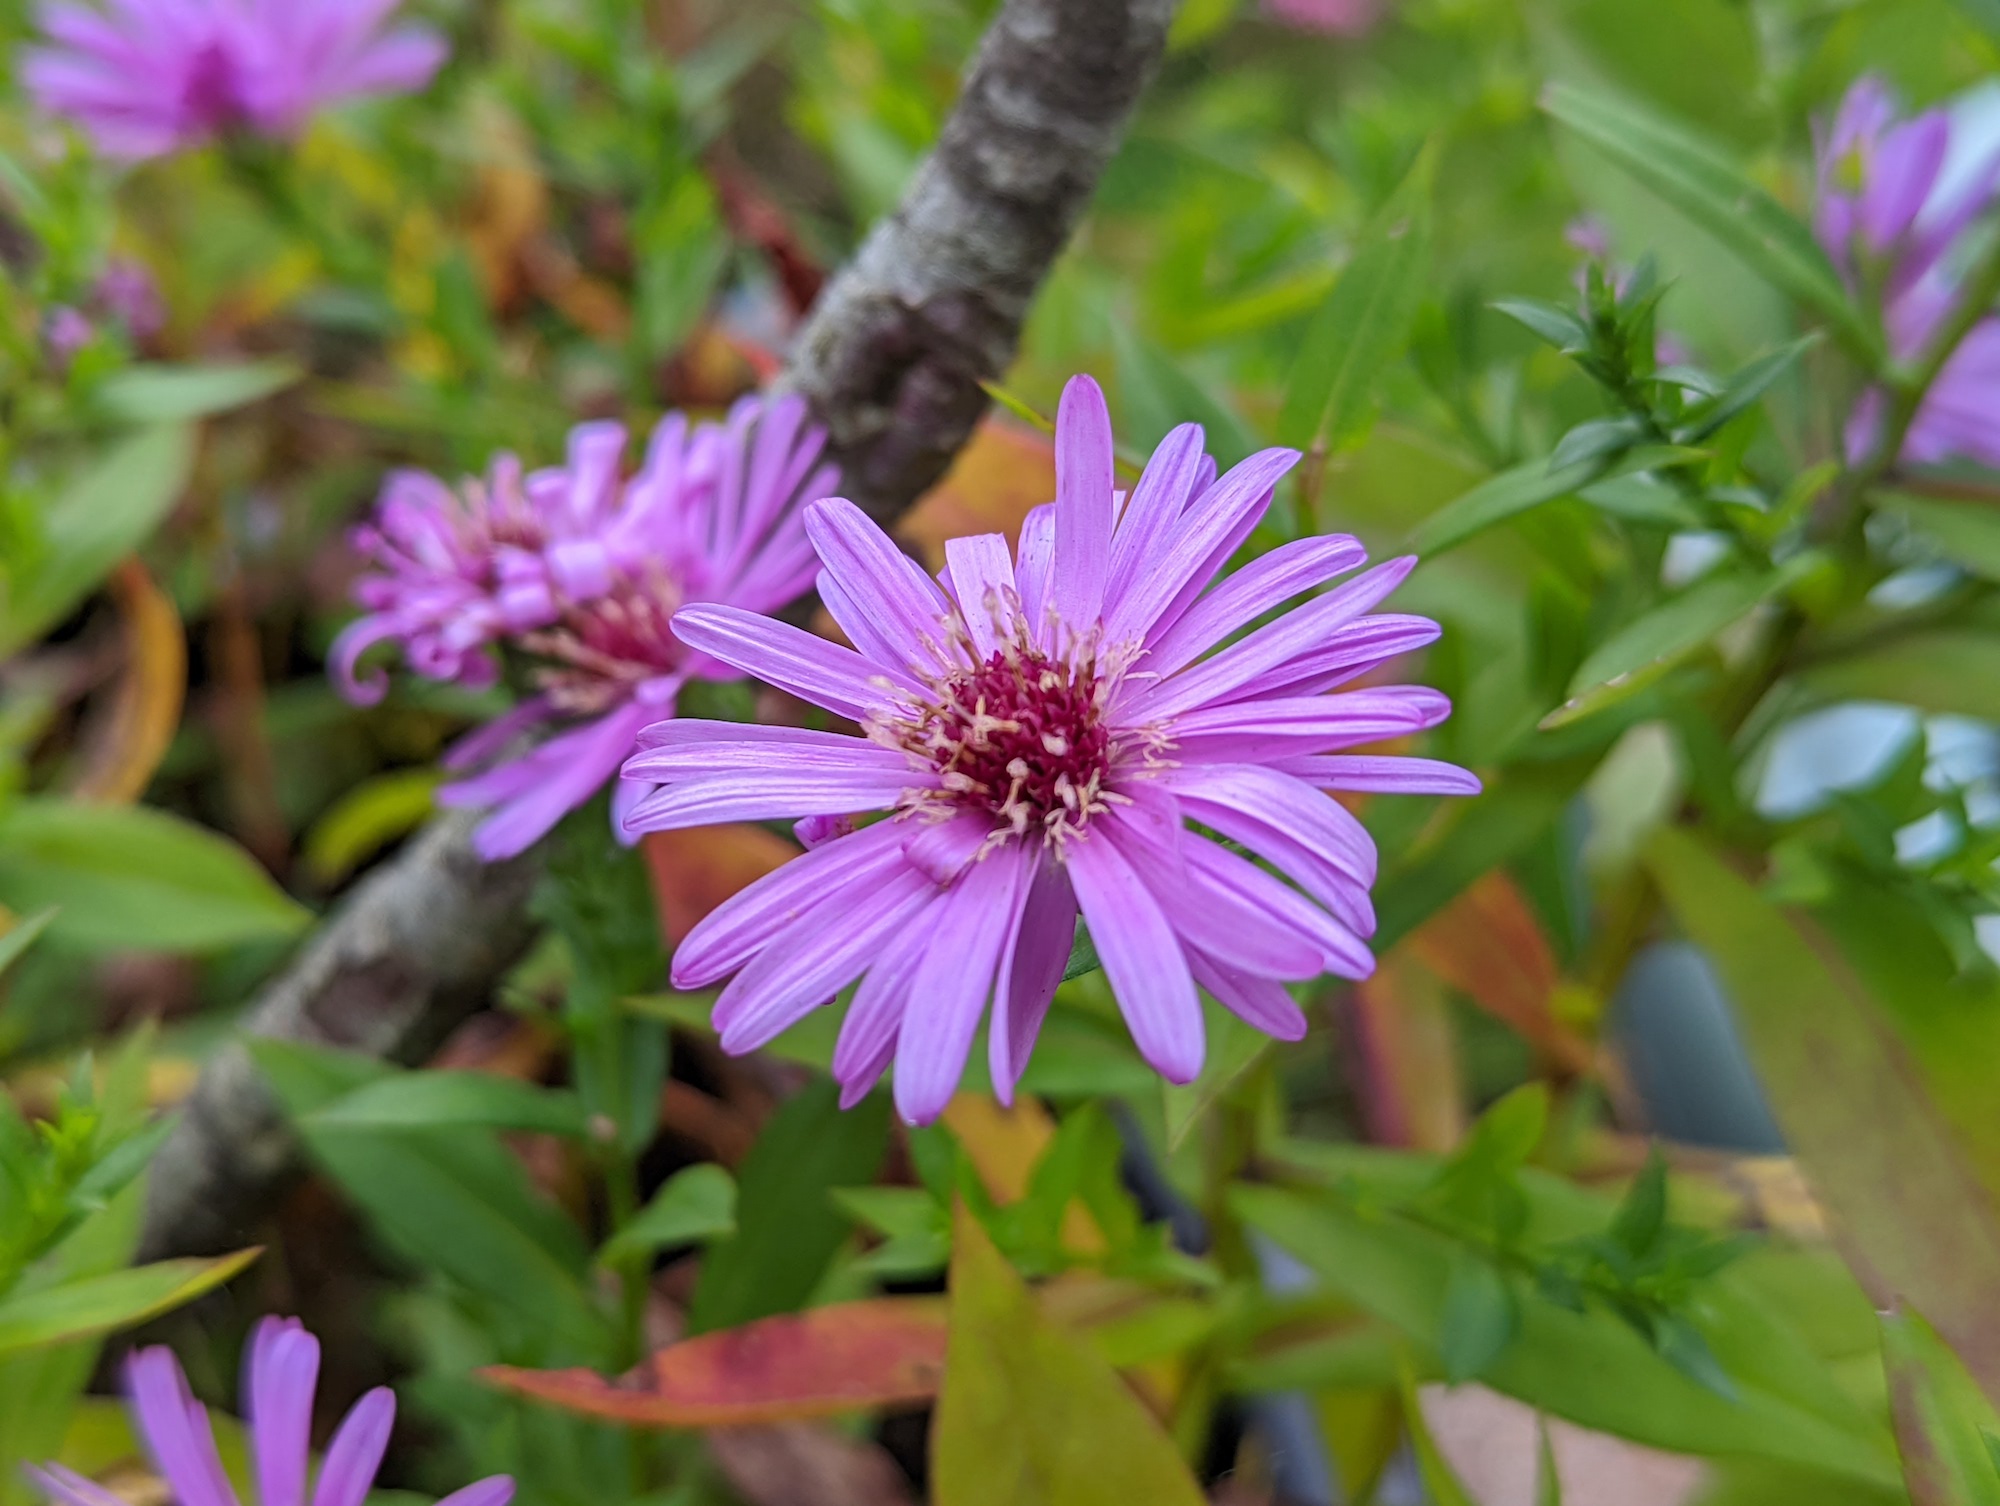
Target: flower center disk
(1021, 736)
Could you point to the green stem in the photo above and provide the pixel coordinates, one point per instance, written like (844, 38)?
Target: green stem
(621, 1191)
(264, 175)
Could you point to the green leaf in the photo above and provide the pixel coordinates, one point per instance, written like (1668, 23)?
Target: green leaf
(1156, 395)
(1640, 653)
(1985, 14)
(1031, 1415)
(1956, 671)
(1891, 1172)
(1442, 1487)
(134, 877)
(695, 1204)
(1548, 1478)
(1234, 1048)
(1510, 493)
(16, 942)
(788, 1228)
(420, 1100)
(1558, 326)
(1941, 1418)
(1968, 532)
(103, 515)
(99, 1304)
(1744, 389)
(451, 1201)
(1364, 323)
(1480, 1319)
(1590, 1367)
(1642, 1217)
(146, 394)
(1710, 190)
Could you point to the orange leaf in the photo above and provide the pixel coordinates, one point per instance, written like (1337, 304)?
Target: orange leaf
(697, 869)
(998, 478)
(849, 1357)
(1409, 1082)
(1488, 945)
(126, 747)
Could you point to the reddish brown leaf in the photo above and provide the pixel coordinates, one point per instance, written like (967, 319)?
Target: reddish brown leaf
(849, 1357)
(1488, 945)
(1406, 1058)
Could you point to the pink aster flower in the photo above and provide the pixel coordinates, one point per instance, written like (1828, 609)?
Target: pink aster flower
(145, 77)
(1045, 727)
(281, 1370)
(1894, 208)
(1340, 18)
(577, 571)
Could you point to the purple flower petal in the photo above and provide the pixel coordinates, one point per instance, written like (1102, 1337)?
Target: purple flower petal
(774, 794)
(1234, 503)
(176, 1430)
(1034, 572)
(784, 985)
(348, 1471)
(537, 790)
(1031, 969)
(968, 929)
(1141, 955)
(69, 1488)
(792, 659)
(496, 1490)
(742, 925)
(890, 608)
(1249, 731)
(1272, 653)
(281, 1372)
(867, 1040)
(1377, 774)
(1146, 529)
(1278, 800)
(982, 577)
(1234, 885)
(1259, 1002)
(1084, 504)
(1266, 582)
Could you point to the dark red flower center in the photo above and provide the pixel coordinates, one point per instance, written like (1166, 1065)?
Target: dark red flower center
(1021, 736)
(601, 650)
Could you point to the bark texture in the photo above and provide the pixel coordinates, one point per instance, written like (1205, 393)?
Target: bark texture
(891, 360)
(895, 351)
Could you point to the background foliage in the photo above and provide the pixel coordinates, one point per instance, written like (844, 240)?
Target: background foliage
(1732, 693)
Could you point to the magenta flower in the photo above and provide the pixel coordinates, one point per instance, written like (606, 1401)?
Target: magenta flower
(146, 77)
(1340, 18)
(1893, 212)
(1044, 728)
(281, 1371)
(578, 570)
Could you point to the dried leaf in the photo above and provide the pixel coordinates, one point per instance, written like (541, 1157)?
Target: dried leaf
(848, 1357)
(1406, 1058)
(1488, 945)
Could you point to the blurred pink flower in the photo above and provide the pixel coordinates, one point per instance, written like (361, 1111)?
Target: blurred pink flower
(578, 570)
(1044, 725)
(127, 292)
(1893, 215)
(65, 331)
(146, 77)
(281, 1372)
(1341, 18)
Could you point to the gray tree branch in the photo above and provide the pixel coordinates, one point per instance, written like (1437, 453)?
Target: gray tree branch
(891, 360)
(896, 348)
